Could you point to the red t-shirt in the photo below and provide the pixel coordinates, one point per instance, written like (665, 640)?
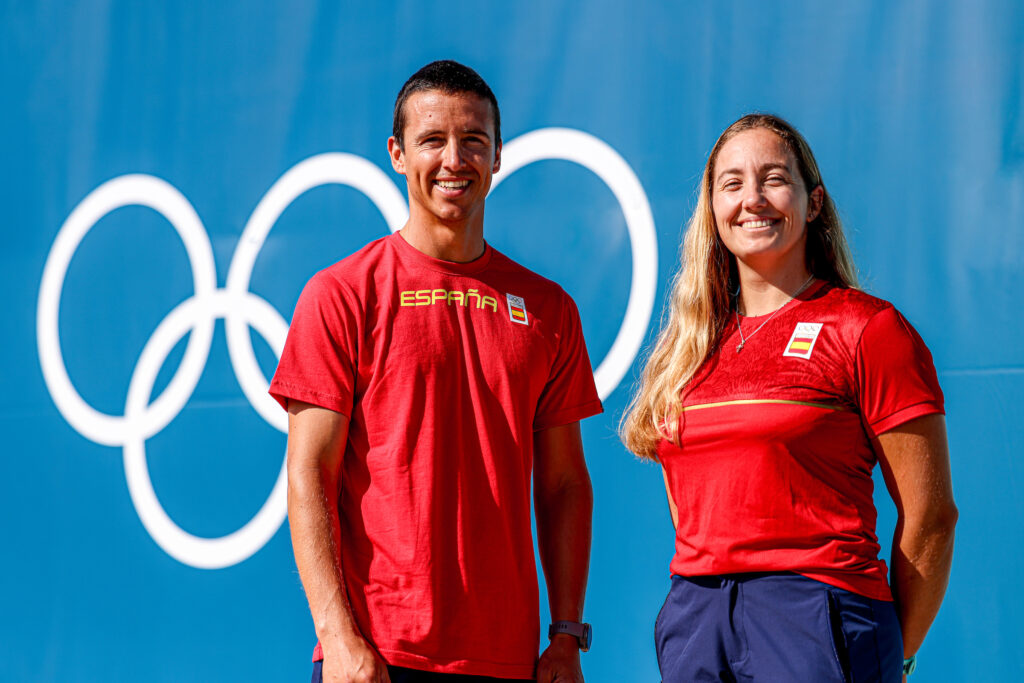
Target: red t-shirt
(446, 370)
(773, 471)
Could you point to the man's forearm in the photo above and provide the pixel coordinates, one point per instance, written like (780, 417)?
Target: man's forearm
(315, 531)
(921, 561)
(564, 520)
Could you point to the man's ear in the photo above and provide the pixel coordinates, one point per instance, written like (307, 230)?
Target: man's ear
(497, 158)
(396, 154)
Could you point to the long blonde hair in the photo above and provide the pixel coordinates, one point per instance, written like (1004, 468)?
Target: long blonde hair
(700, 303)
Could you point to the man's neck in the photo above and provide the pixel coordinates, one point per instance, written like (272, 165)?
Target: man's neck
(459, 243)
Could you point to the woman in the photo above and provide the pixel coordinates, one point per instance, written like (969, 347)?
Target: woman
(773, 389)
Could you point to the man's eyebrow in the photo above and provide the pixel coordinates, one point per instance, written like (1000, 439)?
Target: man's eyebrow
(423, 135)
(427, 133)
(767, 167)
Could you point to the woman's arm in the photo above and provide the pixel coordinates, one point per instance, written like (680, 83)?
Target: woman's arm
(672, 509)
(914, 458)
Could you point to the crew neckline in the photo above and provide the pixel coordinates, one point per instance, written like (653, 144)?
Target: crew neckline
(411, 253)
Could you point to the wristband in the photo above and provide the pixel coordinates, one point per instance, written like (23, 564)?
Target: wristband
(909, 665)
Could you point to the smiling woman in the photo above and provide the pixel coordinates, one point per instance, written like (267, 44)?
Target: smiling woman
(773, 390)
(761, 205)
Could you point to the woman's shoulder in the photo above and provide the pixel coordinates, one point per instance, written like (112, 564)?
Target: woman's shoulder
(849, 311)
(850, 302)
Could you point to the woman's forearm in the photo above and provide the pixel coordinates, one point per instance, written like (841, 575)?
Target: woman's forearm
(922, 556)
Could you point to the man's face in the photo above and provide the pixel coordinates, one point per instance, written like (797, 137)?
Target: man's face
(449, 154)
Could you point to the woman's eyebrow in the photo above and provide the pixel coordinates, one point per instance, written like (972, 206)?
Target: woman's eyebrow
(772, 165)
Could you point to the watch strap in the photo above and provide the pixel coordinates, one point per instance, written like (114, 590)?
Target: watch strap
(580, 631)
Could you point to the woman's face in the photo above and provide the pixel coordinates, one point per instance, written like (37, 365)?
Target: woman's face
(760, 202)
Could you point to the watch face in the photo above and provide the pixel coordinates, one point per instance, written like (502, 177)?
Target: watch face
(586, 638)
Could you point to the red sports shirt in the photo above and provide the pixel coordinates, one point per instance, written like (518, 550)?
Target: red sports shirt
(446, 371)
(773, 471)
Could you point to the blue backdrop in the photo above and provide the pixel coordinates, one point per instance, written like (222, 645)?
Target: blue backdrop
(197, 111)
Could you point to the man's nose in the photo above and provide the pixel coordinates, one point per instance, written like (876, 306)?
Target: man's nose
(452, 157)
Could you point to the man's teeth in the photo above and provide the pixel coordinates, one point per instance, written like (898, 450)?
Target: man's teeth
(757, 224)
(453, 184)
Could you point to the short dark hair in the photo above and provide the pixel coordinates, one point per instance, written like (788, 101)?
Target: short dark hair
(451, 78)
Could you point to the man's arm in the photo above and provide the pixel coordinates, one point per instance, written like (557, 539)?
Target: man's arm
(316, 444)
(564, 502)
(915, 463)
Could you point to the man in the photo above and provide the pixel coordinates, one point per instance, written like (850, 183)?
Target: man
(425, 377)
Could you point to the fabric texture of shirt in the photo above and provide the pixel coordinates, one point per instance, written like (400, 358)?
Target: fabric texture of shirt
(773, 467)
(445, 370)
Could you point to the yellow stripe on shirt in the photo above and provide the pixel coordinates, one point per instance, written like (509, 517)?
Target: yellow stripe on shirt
(754, 401)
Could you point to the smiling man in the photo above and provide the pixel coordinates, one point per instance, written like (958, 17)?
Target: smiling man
(427, 379)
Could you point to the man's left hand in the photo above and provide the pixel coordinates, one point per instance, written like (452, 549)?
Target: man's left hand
(560, 663)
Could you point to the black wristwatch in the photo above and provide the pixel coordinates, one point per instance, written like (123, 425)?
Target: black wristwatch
(583, 632)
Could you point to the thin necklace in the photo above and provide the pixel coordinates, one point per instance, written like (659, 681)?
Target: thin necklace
(739, 347)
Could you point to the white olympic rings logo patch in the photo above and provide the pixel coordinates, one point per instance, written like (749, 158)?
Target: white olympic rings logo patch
(145, 416)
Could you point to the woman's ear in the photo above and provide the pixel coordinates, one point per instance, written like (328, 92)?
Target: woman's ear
(814, 202)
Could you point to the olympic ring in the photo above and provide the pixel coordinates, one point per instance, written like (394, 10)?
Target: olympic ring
(204, 553)
(241, 309)
(597, 156)
(162, 197)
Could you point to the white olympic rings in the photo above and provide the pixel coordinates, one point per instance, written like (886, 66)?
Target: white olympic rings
(144, 416)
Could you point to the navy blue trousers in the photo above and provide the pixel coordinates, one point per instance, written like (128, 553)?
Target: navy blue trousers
(776, 627)
(401, 675)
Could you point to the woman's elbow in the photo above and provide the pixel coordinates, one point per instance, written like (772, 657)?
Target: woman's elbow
(937, 520)
(948, 517)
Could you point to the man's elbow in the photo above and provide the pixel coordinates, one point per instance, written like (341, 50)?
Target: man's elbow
(306, 479)
(575, 492)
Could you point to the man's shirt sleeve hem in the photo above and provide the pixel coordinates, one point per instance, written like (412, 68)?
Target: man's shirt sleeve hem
(567, 416)
(283, 393)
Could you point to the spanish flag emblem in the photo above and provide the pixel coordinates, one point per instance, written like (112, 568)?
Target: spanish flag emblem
(802, 341)
(517, 309)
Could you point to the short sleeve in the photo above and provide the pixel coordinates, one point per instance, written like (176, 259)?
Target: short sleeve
(896, 380)
(318, 362)
(570, 393)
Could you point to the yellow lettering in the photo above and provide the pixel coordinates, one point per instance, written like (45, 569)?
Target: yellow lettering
(427, 297)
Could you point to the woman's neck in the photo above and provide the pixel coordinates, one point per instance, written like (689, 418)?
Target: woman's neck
(764, 292)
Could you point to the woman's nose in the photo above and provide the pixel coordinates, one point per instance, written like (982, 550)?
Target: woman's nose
(753, 196)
